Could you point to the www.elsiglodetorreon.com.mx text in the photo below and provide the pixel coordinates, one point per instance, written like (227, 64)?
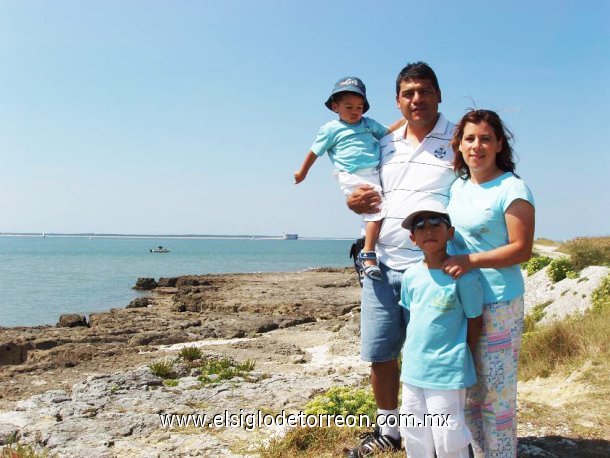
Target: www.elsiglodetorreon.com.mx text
(257, 419)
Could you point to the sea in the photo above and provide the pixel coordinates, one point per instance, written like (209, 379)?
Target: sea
(42, 278)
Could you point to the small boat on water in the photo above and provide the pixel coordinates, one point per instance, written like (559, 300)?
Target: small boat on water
(159, 249)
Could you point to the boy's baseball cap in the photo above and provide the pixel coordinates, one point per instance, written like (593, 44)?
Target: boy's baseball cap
(349, 84)
(432, 206)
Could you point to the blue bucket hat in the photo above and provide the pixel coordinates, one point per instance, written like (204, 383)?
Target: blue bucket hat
(349, 84)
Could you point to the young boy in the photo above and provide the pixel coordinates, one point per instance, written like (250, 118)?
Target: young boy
(353, 148)
(444, 327)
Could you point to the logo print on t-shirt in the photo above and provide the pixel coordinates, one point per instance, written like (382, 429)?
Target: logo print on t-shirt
(444, 301)
(440, 153)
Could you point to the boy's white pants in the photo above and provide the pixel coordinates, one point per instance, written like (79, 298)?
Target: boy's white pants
(447, 435)
(349, 182)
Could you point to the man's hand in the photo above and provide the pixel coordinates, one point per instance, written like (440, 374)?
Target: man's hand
(364, 200)
(299, 176)
(456, 266)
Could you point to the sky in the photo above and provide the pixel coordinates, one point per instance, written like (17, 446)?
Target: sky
(190, 117)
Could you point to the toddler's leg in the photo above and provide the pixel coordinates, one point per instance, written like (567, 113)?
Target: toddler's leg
(368, 255)
(370, 240)
(418, 439)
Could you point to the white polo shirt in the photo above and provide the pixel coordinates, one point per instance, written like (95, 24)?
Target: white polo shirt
(410, 175)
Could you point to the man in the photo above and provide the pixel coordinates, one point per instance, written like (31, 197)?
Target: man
(416, 164)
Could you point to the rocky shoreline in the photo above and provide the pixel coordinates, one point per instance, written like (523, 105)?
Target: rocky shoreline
(88, 390)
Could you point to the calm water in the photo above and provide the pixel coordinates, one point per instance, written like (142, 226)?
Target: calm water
(42, 278)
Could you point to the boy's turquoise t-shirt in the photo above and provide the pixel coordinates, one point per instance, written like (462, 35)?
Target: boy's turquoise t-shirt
(477, 213)
(436, 354)
(350, 147)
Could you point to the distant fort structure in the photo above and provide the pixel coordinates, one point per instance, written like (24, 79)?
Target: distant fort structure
(290, 236)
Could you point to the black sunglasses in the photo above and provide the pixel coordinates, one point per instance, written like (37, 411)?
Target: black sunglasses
(432, 220)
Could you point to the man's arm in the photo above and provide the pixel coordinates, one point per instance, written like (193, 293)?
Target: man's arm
(300, 174)
(364, 200)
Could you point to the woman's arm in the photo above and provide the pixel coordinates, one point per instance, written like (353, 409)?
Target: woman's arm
(519, 217)
(397, 124)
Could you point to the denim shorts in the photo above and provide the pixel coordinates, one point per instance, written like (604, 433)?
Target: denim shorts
(383, 322)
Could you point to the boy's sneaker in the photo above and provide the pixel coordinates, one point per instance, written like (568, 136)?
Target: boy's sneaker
(374, 442)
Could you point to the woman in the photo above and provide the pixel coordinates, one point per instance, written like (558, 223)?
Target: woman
(493, 213)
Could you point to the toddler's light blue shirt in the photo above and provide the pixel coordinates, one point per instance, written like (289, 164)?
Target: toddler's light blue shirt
(350, 147)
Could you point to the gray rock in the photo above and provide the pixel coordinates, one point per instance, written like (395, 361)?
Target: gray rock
(118, 414)
(567, 296)
(44, 400)
(167, 282)
(72, 320)
(297, 359)
(13, 353)
(140, 302)
(8, 433)
(178, 308)
(146, 338)
(145, 283)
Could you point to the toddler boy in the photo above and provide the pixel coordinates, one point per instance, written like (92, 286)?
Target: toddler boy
(352, 144)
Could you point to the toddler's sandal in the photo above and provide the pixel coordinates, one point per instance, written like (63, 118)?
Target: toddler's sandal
(373, 272)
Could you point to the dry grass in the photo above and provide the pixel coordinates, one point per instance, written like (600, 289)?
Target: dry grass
(531, 319)
(575, 405)
(565, 373)
(317, 443)
(546, 242)
(588, 251)
(566, 344)
(22, 451)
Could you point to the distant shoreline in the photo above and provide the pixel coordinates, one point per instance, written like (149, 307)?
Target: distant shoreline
(169, 236)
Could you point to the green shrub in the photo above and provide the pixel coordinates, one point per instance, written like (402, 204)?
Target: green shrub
(15, 450)
(534, 317)
(559, 268)
(572, 275)
(588, 251)
(163, 369)
(601, 295)
(535, 264)
(343, 400)
(190, 353)
(217, 370)
(170, 382)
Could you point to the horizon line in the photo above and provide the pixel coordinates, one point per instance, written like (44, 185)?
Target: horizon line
(202, 236)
